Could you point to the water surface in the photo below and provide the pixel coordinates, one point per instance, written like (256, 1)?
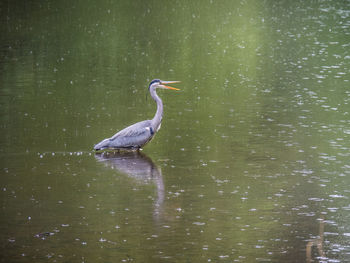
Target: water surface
(251, 163)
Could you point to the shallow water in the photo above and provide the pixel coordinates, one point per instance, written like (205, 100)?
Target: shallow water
(251, 163)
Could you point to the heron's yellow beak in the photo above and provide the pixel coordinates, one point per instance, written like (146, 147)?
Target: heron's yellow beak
(169, 82)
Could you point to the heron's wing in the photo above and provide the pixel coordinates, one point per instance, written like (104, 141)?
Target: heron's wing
(135, 130)
(134, 136)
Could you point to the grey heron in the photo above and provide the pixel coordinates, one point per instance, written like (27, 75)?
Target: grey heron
(137, 135)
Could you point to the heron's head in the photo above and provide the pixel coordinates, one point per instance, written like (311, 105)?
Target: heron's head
(161, 84)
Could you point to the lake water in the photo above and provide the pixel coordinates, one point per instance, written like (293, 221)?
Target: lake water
(252, 163)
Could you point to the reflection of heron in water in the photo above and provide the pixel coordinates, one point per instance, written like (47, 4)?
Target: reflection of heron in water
(138, 166)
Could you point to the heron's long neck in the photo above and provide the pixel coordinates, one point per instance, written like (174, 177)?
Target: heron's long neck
(159, 113)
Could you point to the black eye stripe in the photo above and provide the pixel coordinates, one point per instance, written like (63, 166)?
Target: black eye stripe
(153, 81)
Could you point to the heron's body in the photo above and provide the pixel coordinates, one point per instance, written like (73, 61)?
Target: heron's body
(137, 135)
(132, 137)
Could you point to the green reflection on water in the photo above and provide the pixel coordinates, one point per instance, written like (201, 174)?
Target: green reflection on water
(251, 152)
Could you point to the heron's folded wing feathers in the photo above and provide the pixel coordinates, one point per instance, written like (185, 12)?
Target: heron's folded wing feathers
(135, 130)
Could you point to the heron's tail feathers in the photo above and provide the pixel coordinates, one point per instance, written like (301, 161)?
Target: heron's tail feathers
(102, 145)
